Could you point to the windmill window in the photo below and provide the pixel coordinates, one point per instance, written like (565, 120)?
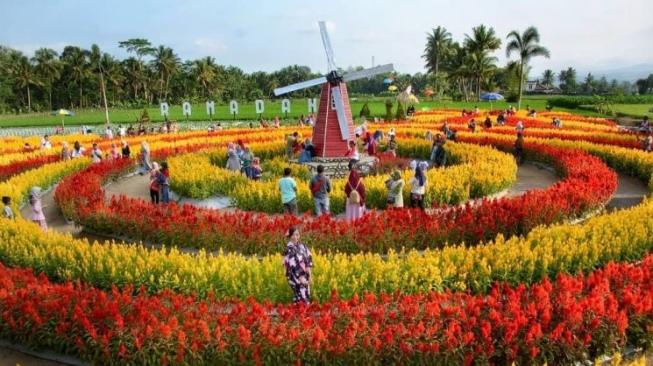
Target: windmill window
(333, 102)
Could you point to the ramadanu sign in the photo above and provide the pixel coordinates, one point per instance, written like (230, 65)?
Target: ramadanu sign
(259, 106)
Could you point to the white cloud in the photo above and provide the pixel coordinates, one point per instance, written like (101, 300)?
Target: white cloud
(210, 45)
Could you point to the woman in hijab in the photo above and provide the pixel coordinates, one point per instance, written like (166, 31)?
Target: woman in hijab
(395, 187)
(36, 215)
(418, 188)
(233, 161)
(355, 192)
(146, 165)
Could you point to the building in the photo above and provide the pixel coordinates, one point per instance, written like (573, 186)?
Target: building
(535, 87)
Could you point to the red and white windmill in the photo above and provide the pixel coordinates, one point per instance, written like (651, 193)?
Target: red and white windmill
(334, 126)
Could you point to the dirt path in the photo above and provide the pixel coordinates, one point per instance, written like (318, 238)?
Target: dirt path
(630, 192)
(531, 176)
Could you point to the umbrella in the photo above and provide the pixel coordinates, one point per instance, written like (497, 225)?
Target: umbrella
(388, 81)
(63, 112)
(490, 97)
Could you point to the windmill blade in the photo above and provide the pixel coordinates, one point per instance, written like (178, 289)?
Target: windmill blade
(299, 86)
(340, 112)
(327, 45)
(381, 69)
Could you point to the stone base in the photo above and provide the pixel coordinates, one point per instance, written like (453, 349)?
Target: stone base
(339, 167)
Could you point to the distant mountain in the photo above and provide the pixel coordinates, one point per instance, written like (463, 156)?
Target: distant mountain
(627, 73)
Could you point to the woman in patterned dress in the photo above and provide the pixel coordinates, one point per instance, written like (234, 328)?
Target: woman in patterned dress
(298, 263)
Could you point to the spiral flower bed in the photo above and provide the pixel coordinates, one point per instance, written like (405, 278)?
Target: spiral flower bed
(500, 281)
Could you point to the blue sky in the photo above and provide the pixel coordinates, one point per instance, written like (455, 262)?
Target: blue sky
(267, 35)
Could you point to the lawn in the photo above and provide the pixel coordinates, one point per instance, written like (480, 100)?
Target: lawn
(246, 109)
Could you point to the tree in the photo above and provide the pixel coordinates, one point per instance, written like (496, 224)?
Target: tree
(205, 72)
(588, 85)
(365, 111)
(166, 63)
(96, 66)
(77, 67)
(25, 76)
(567, 79)
(140, 46)
(438, 44)
(482, 41)
(527, 46)
(548, 77)
(48, 68)
(645, 86)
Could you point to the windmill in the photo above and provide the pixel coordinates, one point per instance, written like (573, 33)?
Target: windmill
(334, 126)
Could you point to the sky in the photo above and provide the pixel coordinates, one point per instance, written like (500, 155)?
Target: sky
(267, 35)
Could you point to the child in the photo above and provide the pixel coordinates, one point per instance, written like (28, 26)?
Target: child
(37, 215)
(256, 170)
(7, 212)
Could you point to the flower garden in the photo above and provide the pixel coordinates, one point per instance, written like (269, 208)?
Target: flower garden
(543, 277)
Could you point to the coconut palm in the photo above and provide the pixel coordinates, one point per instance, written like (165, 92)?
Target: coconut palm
(438, 46)
(165, 63)
(136, 74)
(527, 45)
(25, 75)
(547, 77)
(96, 66)
(205, 73)
(78, 68)
(48, 67)
(114, 73)
(482, 41)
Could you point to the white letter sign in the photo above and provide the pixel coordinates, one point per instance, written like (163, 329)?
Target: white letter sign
(233, 107)
(312, 105)
(186, 108)
(260, 107)
(285, 106)
(210, 108)
(164, 109)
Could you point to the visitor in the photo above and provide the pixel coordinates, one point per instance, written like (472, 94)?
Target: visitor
(246, 162)
(429, 135)
(370, 144)
(233, 161)
(27, 147)
(647, 143)
(355, 193)
(240, 148)
(391, 147)
(501, 119)
(438, 152)
(45, 143)
(378, 136)
(78, 150)
(96, 154)
(277, 123)
(114, 154)
(418, 188)
(644, 125)
(519, 127)
(131, 131)
(410, 111)
(264, 123)
(163, 180)
(291, 141)
(218, 127)
(154, 184)
(300, 122)
(360, 129)
(445, 128)
(146, 165)
(311, 120)
(298, 262)
(475, 109)
(320, 186)
(7, 212)
(487, 123)
(65, 152)
(308, 152)
(251, 124)
(108, 133)
(519, 148)
(532, 113)
(471, 125)
(122, 132)
(352, 154)
(256, 170)
(288, 189)
(36, 215)
(395, 186)
(125, 150)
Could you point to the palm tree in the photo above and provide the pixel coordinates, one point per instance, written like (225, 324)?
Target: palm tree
(438, 46)
(205, 73)
(96, 65)
(114, 73)
(547, 77)
(25, 76)
(78, 67)
(166, 63)
(482, 41)
(48, 67)
(527, 45)
(136, 75)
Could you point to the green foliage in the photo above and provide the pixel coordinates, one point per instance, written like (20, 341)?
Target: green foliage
(577, 101)
(401, 113)
(365, 111)
(388, 110)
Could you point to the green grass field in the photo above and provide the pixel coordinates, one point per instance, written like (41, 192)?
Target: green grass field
(246, 109)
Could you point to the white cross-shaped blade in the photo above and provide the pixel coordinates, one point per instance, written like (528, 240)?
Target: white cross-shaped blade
(340, 112)
(381, 69)
(300, 85)
(331, 63)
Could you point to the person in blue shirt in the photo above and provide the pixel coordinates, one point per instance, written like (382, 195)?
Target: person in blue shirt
(288, 188)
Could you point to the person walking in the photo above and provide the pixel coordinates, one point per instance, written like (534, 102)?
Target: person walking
(146, 164)
(126, 152)
(256, 169)
(395, 186)
(78, 150)
(96, 154)
(355, 193)
(36, 214)
(233, 161)
(519, 148)
(298, 263)
(352, 154)
(246, 162)
(154, 185)
(163, 180)
(391, 147)
(418, 188)
(320, 186)
(438, 152)
(288, 189)
(65, 152)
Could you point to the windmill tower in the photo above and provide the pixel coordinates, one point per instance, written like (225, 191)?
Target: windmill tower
(334, 126)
